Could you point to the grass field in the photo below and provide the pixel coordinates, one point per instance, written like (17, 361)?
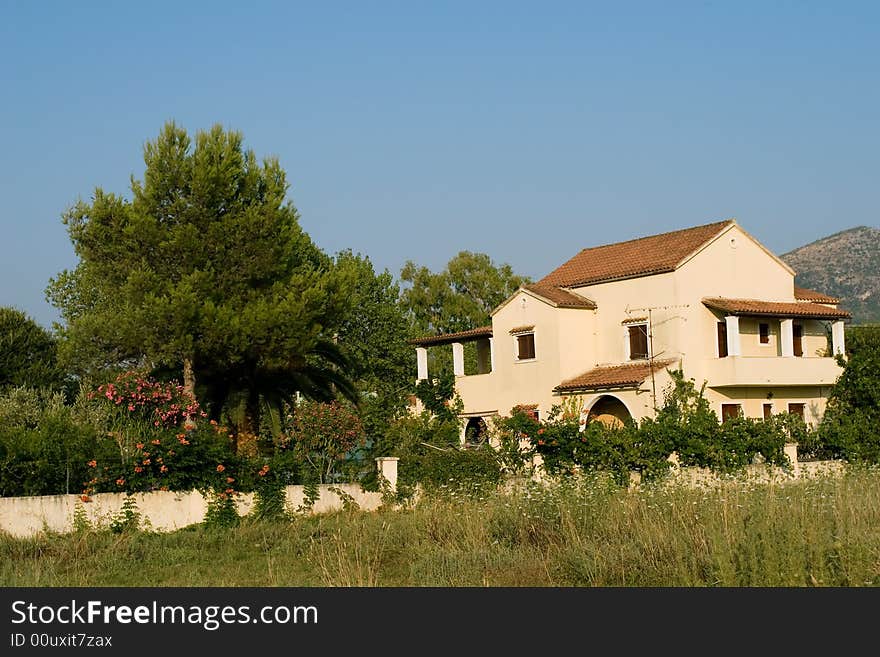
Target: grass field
(823, 532)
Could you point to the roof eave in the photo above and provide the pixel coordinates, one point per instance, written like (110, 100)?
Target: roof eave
(617, 386)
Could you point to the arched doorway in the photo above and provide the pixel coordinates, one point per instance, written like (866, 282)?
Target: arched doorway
(475, 431)
(610, 411)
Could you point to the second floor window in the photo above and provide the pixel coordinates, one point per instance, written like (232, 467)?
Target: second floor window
(764, 332)
(638, 341)
(525, 346)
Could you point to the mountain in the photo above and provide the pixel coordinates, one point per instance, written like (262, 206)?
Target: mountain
(845, 265)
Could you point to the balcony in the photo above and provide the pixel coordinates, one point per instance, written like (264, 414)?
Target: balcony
(747, 371)
(478, 392)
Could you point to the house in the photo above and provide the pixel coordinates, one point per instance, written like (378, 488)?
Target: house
(603, 329)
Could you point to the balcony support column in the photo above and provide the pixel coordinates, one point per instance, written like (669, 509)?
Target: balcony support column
(733, 341)
(838, 343)
(422, 363)
(458, 359)
(786, 337)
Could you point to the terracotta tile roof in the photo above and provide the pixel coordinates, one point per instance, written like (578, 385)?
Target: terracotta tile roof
(804, 294)
(754, 307)
(447, 338)
(614, 376)
(640, 257)
(561, 298)
(635, 320)
(521, 329)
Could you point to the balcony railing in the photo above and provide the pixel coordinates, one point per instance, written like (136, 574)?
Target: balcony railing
(478, 392)
(770, 371)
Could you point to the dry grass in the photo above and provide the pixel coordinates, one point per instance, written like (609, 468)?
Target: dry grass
(823, 532)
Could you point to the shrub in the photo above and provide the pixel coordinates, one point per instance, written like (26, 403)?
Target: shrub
(450, 468)
(323, 436)
(685, 424)
(269, 492)
(44, 450)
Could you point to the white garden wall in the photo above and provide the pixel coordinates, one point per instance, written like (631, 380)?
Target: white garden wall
(162, 510)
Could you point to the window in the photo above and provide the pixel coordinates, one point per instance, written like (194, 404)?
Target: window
(525, 346)
(764, 332)
(730, 411)
(722, 339)
(768, 411)
(797, 409)
(638, 341)
(798, 339)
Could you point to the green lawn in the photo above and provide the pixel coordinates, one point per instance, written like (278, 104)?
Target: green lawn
(823, 532)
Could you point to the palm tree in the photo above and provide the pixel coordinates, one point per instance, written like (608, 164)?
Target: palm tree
(245, 392)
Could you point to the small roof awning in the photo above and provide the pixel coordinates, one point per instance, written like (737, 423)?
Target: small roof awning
(805, 294)
(448, 338)
(630, 375)
(756, 308)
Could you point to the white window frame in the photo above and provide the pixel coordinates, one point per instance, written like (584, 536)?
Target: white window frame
(516, 336)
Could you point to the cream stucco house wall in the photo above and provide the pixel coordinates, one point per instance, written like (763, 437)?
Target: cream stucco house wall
(603, 329)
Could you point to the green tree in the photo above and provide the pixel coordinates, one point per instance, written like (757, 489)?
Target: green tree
(862, 338)
(205, 271)
(373, 336)
(460, 297)
(850, 428)
(28, 353)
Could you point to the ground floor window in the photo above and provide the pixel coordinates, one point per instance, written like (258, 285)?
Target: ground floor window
(730, 411)
(797, 409)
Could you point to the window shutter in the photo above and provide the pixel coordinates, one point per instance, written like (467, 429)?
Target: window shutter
(525, 346)
(638, 342)
(729, 411)
(722, 339)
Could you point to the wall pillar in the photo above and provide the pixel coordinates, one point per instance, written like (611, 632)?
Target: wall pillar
(786, 337)
(790, 450)
(386, 467)
(838, 344)
(422, 363)
(733, 341)
(491, 354)
(458, 359)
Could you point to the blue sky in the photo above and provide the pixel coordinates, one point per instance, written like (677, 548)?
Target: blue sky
(411, 131)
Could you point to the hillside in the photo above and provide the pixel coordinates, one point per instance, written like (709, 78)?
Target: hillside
(845, 265)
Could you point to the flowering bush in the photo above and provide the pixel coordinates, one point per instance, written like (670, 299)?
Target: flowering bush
(323, 435)
(162, 404)
(159, 446)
